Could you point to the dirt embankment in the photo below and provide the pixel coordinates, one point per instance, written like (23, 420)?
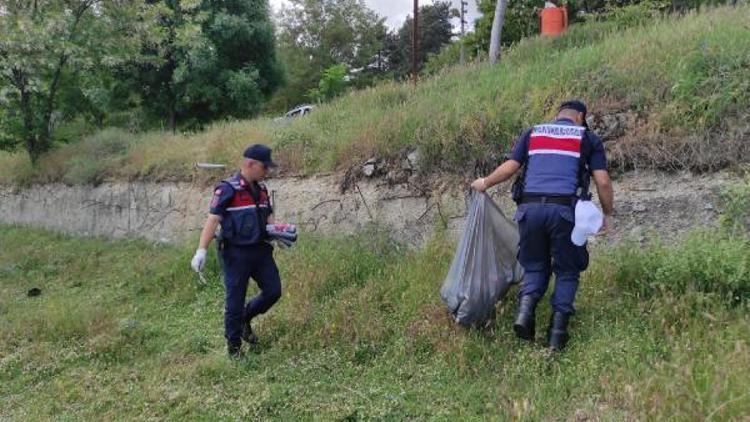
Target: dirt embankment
(647, 204)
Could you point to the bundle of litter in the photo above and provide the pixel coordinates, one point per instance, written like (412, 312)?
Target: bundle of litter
(283, 234)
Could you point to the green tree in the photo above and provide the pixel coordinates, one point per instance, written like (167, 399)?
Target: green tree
(214, 59)
(331, 85)
(45, 47)
(449, 55)
(435, 31)
(317, 34)
(521, 20)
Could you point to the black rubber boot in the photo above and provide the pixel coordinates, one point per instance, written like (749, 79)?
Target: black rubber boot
(557, 334)
(524, 326)
(235, 350)
(248, 335)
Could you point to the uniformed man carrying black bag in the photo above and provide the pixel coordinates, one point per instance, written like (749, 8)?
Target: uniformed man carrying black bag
(557, 160)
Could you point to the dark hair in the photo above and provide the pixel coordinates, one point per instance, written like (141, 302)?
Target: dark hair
(575, 105)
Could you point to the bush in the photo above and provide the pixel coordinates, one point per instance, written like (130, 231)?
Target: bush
(332, 84)
(448, 56)
(95, 156)
(708, 261)
(83, 171)
(15, 168)
(72, 130)
(736, 206)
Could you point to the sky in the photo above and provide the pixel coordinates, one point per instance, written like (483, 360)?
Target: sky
(396, 11)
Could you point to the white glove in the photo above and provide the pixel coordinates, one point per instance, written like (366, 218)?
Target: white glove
(199, 260)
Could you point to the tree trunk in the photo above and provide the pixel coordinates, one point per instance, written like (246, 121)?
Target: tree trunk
(38, 135)
(33, 153)
(172, 119)
(170, 66)
(497, 30)
(46, 132)
(29, 137)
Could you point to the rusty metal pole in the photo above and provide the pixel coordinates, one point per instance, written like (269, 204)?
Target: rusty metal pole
(415, 43)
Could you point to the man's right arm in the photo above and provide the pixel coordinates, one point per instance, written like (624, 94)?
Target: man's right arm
(502, 173)
(221, 198)
(209, 229)
(222, 195)
(598, 165)
(606, 197)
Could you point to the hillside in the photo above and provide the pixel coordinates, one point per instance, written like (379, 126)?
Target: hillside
(666, 92)
(125, 330)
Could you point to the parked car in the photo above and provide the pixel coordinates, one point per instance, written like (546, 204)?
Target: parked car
(298, 111)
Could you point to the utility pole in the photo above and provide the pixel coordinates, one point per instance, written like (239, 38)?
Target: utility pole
(464, 3)
(415, 43)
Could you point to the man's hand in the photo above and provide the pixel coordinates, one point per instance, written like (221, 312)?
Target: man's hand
(479, 185)
(199, 260)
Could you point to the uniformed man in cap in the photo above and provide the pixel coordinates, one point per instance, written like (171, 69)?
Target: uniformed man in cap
(557, 160)
(241, 205)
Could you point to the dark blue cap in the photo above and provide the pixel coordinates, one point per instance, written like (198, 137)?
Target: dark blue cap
(576, 105)
(259, 152)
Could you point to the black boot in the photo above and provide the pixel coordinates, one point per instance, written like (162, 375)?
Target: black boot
(557, 334)
(234, 350)
(248, 335)
(524, 326)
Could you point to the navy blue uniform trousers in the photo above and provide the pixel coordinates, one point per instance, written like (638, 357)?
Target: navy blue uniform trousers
(240, 263)
(545, 247)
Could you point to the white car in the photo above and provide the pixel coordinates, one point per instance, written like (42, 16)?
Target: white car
(298, 111)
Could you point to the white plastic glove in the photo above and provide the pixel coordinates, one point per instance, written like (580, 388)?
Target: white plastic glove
(199, 260)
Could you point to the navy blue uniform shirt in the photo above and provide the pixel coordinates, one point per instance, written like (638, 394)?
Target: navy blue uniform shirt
(553, 152)
(224, 193)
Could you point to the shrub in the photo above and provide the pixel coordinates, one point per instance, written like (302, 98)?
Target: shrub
(736, 206)
(708, 261)
(95, 156)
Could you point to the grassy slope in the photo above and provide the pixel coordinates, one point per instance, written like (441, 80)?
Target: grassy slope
(684, 79)
(123, 330)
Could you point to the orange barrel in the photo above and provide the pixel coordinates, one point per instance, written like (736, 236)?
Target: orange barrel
(554, 20)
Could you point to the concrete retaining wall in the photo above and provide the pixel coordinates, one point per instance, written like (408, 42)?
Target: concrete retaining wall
(647, 205)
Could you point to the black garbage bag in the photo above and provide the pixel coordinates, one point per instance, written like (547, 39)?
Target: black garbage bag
(485, 264)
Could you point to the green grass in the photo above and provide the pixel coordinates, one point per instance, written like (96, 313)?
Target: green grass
(682, 78)
(124, 330)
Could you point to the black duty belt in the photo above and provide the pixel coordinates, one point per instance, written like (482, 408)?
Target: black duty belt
(560, 200)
